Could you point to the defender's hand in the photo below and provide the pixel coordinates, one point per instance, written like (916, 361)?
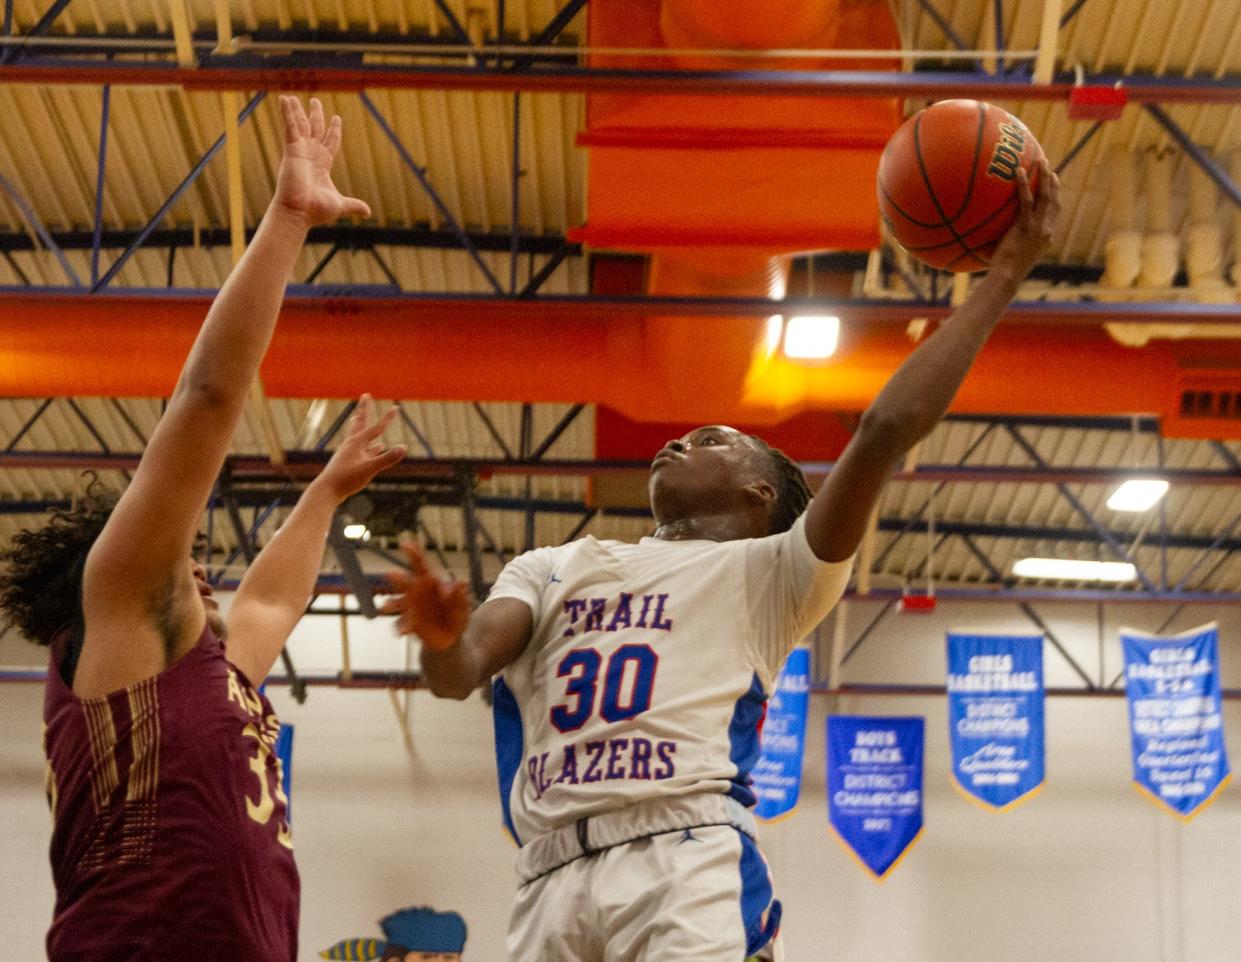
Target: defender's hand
(435, 610)
(1023, 245)
(304, 185)
(362, 454)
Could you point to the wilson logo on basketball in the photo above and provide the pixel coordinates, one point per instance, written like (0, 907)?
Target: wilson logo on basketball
(1007, 154)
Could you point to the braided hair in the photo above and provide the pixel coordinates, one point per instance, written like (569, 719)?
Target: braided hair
(41, 578)
(792, 491)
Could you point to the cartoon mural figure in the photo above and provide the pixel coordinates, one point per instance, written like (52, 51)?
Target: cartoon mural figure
(413, 935)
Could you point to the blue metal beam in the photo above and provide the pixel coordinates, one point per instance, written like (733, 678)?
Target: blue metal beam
(1225, 453)
(491, 429)
(41, 27)
(100, 167)
(1222, 541)
(35, 224)
(415, 430)
(1056, 643)
(544, 272)
(89, 425)
(997, 7)
(514, 217)
(549, 33)
(351, 237)
(929, 7)
(1053, 533)
(181, 188)
(888, 524)
(1199, 156)
(1077, 148)
(1108, 538)
(453, 23)
(334, 428)
(1085, 422)
(554, 434)
(917, 515)
(305, 463)
(1072, 12)
(420, 173)
(28, 424)
(320, 72)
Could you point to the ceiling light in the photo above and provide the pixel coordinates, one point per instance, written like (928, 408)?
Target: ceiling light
(357, 532)
(1137, 494)
(811, 337)
(1063, 569)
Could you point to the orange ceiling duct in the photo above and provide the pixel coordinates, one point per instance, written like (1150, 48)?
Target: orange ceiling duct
(672, 369)
(720, 190)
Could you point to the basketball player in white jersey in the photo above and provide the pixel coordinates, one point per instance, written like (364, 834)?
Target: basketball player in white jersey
(630, 680)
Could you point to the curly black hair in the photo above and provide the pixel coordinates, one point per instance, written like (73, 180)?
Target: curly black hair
(792, 491)
(41, 577)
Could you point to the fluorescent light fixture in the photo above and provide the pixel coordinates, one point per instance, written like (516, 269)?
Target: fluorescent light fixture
(811, 337)
(1063, 569)
(357, 532)
(1137, 494)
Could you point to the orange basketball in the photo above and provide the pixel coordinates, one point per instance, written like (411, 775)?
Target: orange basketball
(948, 181)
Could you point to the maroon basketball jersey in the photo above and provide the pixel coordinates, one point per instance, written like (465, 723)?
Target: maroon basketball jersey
(169, 839)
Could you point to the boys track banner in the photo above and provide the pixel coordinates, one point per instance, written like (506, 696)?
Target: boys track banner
(1175, 717)
(777, 776)
(995, 716)
(874, 786)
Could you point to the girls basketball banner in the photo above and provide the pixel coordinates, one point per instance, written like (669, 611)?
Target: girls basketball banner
(874, 786)
(995, 716)
(777, 776)
(1175, 717)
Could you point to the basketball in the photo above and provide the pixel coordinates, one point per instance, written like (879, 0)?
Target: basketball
(948, 182)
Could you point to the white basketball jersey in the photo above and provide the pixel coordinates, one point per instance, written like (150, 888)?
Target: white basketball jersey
(648, 669)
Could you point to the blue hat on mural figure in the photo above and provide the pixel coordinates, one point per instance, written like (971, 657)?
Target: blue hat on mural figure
(425, 930)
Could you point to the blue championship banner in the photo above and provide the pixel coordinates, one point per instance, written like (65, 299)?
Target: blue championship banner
(995, 716)
(1175, 718)
(874, 787)
(777, 776)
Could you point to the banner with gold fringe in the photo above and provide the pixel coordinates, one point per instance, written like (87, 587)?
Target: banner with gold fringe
(874, 787)
(995, 716)
(1175, 717)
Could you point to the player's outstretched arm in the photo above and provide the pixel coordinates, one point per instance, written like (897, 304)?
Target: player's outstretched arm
(277, 587)
(138, 592)
(460, 650)
(918, 394)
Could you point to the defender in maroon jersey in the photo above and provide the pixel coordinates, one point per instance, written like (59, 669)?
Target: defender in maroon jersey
(170, 840)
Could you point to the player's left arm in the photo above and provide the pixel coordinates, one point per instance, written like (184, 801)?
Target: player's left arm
(918, 394)
(275, 590)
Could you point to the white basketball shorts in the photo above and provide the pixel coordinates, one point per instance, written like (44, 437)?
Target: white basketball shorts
(667, 880)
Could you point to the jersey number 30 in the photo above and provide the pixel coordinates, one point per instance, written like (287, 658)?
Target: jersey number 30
(627, 684)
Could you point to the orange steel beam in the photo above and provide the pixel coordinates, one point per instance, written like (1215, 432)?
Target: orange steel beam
(650, 367)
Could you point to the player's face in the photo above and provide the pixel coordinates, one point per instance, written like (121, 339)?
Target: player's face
(705, 470)
(205, 593)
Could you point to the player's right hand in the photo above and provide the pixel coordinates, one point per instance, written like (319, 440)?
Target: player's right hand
(304, 185)
(1020, 249)
(435, 610)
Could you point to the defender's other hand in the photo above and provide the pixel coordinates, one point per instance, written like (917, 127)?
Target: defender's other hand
(435, 610)
(304, 185)
(362, 454)
(1023, 245)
